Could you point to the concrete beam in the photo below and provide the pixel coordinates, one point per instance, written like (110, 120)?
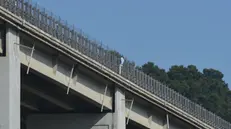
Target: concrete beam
(153, 118)
(29, 106)
(48, 98)
(55, 59)
(81, 84)
(70, 121)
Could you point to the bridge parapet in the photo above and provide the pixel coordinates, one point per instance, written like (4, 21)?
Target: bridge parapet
(75, 39)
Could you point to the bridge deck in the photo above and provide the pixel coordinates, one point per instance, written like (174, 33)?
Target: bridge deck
(39, 24)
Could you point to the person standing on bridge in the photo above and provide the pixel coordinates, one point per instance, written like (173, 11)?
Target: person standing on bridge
(121, 64)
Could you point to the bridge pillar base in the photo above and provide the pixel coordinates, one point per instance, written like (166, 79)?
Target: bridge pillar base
(10, 83)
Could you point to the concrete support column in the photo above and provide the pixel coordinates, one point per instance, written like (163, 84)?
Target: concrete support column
(10, 83)
(119, 115)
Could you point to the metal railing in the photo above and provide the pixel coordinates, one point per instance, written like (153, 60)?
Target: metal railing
(76, 39)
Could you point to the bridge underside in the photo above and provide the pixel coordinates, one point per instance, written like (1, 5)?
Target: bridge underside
(44, 100)
(48, 97)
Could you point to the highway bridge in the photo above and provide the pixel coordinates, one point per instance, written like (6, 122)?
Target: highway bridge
(53, 76)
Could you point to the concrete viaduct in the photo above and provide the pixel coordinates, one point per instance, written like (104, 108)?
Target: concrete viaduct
(53, 76)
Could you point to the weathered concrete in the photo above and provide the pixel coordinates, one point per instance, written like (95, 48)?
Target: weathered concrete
(149, 118)
(153, 118)
(70, 121)
(10, 83)
(82, 84)
(119, 115)
(93, 88)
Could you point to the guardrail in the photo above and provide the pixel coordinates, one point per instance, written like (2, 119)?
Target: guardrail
(76, 39)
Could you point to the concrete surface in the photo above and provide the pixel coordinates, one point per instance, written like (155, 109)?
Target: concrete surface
(84, 85)
(92, 87)
(119, 115)
(10, 83)
(70, 121)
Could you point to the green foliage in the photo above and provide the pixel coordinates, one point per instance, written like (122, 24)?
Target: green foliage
(205, 88)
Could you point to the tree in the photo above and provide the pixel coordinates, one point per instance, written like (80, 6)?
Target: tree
(154, 71)
(213, 73)
(205, 88)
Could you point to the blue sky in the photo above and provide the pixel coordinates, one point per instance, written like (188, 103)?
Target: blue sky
(166, 32)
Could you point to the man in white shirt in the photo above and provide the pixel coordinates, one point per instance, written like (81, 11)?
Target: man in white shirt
(121, 64)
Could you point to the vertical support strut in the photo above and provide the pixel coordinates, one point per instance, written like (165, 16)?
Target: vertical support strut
(105, 92)
(130, 110)
(72, 70)
(31, 54)
(167, 121)
(128, 114)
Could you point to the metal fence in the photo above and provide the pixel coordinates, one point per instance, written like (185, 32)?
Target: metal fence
(76, 39)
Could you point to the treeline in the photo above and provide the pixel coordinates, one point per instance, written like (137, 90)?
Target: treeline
(206, 88)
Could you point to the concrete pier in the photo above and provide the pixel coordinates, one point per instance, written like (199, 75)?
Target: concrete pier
(119, 115)
(10, 82)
